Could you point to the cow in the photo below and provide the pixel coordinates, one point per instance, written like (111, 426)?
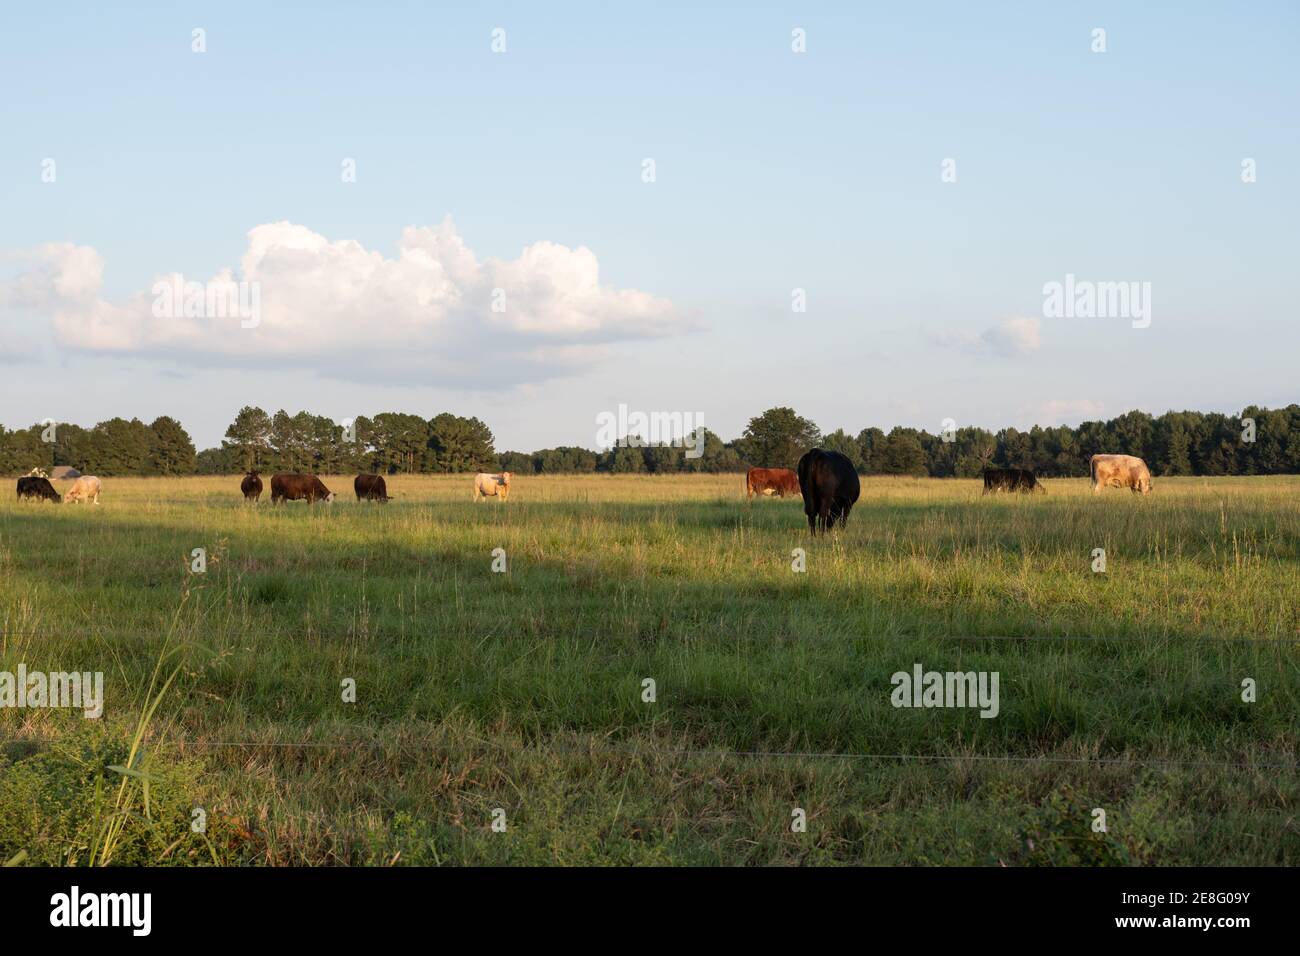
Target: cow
(38, 488)
(371, 488)
(1011, 479)
(306, 488)
(771, 481)
(251, 486)
(491, 486)
(85, 487)
(1119, 471)
(37, 472)
(830, 486)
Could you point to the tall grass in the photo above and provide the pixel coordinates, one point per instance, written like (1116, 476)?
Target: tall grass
(522, 690)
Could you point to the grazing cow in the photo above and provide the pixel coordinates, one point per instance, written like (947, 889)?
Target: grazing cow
(1011, 479)
(85, 487)
(492, 486)
(251, 486)
(1119, 471)
(771, 481)
(830, 486)
(371, 488)
(38, 488)
(306, 488)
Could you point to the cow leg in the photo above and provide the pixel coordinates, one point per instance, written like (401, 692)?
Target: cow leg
(824, 520)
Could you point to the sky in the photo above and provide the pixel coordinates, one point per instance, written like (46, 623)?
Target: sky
(537, 212)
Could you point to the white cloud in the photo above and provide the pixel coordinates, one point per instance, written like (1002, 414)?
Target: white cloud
(1010, 338)
(425, 315)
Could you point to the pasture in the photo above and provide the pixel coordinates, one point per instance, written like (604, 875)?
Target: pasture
(523, 690)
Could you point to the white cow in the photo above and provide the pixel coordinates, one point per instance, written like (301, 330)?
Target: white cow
(492, 486)
(1119, 471)
(87, 486)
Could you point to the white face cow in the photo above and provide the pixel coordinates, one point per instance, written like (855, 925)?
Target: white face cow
(492, 486)
(87, 487)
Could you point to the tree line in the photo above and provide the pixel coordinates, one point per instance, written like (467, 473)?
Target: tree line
(1259, 441)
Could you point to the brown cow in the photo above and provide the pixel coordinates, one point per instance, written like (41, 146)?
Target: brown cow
(251, 486)
(1119, 471)
(306, 488)
(370, 488)
(771, 481)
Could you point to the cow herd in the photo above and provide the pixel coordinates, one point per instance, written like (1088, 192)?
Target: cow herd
(85, 488)
(829, 483)
(311, 489)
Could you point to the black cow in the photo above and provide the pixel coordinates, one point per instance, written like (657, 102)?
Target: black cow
(251, 486)
(38, 488)
(306, 488)
(830, 486)
(1011, 479)
(370, 488)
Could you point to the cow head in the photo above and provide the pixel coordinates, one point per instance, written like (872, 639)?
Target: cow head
(329, 499)
(505, 478)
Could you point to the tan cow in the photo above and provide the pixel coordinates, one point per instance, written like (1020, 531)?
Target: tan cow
(1119, 471)
(85, 487)
(492, 486)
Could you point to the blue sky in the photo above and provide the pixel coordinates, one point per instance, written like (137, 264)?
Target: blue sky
(774, 171)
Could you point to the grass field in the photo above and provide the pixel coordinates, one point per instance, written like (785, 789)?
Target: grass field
(522, 691)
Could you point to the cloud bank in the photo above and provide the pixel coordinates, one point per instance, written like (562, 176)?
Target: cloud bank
(432, 314)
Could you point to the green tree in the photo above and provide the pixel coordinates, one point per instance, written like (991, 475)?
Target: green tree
(778, 438)
(902, 453)
(716, 457)
(870, 443)
(119, 447)
(249, 436)
(626, 459)
(219, 461)
(844, 443)
(460, 445)
(172, 451)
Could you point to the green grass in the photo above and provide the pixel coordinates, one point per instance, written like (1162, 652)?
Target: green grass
(522, 690)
